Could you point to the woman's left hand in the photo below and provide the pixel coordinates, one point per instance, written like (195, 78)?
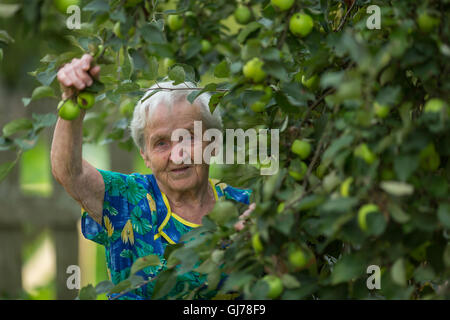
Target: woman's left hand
(241, 223)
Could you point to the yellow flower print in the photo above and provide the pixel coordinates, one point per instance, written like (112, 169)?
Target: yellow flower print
(109, 226)
(127, 233)
(151, 202)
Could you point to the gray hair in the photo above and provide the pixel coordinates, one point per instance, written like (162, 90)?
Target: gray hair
(146, 105)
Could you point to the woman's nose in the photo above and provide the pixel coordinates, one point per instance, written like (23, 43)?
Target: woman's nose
(180, 153)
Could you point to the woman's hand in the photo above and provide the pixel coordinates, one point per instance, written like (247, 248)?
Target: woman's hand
(241, 223)
(77, 75)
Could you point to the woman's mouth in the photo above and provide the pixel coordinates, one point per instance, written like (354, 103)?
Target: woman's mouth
(180, 170)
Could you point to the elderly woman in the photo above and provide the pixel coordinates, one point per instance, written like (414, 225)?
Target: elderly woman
(135, 215)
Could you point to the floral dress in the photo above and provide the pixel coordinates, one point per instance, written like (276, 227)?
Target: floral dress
(137, 221)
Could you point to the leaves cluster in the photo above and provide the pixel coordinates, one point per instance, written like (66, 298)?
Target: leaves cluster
(406, 176)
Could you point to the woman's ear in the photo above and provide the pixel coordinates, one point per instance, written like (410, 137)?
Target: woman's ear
(145, 157)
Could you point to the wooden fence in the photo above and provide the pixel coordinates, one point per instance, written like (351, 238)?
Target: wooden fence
(59, 213)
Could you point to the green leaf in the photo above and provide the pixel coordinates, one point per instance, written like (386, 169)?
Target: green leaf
(121, 286)
(143, 262)
(5, 168)
(5, 37)
(166, 280)
(398, 214)
(276, 69)
(397, 188)
(193, 95)
(376, 223)
(127, 86)
(222, 70)
(405, 165)
(46, 77)
(97, 6)
(17, 125)
(43, 120)
(444, 214)
(127, 66)
(347, 268)
(42, 92)
(104, 287)
(339, 205)
(289, 281)
(153, 68)
(337, 145)
(250, 28)
(88, 293)
(152, 34)
(9, 10)
(223, 212)
(398, 272)
(177, 74)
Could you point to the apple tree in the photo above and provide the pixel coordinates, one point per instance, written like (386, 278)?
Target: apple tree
(364, 118)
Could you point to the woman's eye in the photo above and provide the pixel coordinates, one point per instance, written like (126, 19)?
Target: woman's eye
(160, 143)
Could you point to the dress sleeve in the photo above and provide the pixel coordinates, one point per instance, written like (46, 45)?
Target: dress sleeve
(236, 194)
(115, 211)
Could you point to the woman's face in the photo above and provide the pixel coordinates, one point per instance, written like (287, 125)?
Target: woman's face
(163, 156)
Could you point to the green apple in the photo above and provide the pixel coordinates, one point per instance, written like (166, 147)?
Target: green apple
(320, 171)
(280, 207)
(275, 286)
(175, 22)
(434, 105)
(258, 106)
(363, 212)
(242, 14)
(131, 31)
(426, 22)
(68, 110)
(256, 243)
(311, 83)
(301, 24)
(116, 29)
(298, 170)
(86, 100)
(253, 70)
(267, 91)
(381, 111)
(301, 148)
(345, 187)
(206, 46)
(132, 3)
(387, 174)
(62, 5)
(429, 159)
(126, 108)
(362, 151)
(283, 5)
(167, 63)
(298, 258)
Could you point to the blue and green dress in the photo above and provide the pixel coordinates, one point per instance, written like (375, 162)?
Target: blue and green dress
(137, 221)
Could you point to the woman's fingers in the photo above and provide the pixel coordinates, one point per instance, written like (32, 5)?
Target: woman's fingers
(78, 74)
(241, 223)
(94, 71)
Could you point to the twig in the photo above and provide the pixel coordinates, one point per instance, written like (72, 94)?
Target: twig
(311, 166)
(131, 289)
(346, 15)
(315, 104)
(173, 89)
(283, 35)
